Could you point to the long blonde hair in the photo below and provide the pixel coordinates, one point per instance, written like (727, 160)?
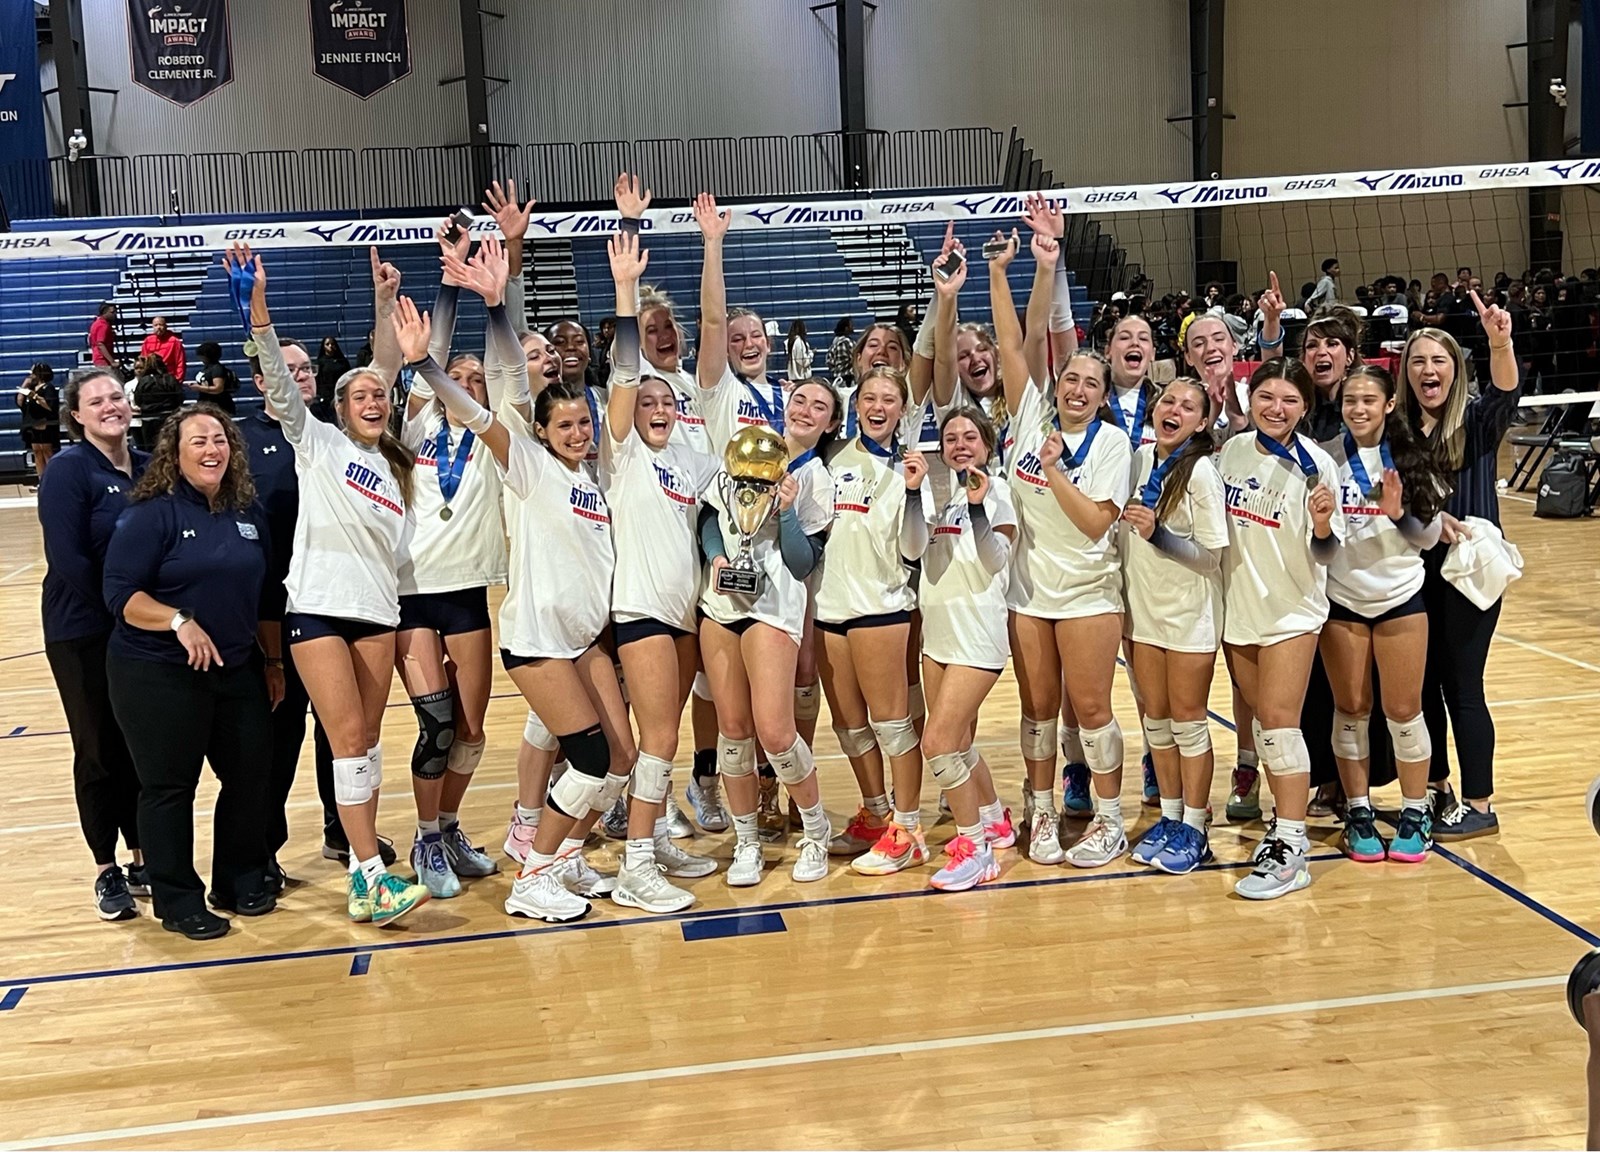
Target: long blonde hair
(401, 462)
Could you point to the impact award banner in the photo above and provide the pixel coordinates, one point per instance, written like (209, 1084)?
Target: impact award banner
(180, 51)
(360, 45)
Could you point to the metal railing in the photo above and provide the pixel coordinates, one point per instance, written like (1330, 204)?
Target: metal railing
(443, 176)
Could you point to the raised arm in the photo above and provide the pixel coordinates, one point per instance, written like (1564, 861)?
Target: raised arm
(1093, 518)
(1271, 305)
(711, 360)
(627, 265)
(410, 330)
(505, 368)
(513, 221)
(1044, 216)
(1035, 344)
(1007, 330)
(385, 288)
(1503, 368)
(940, 323)
(281, 391)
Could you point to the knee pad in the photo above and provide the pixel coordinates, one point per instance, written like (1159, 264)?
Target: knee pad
(535, 734)
(1071, 745)
(793, 764)
(375, 766)
(575, 793)
(1411, 741)
(919, 702)
(806, 702)
(436, 732)
(950, 769)
(1039, 738)
(652, 776)
(895, 737)
(1193, 737)
(611, 788)
(1284, 752)
(702, 687)
(352, 780)
(1255, 735)
(735, 757)
(855, 741)
(971, 756)
(1102, 748)
(1350, 740)
(465, 756)
(1158, 732)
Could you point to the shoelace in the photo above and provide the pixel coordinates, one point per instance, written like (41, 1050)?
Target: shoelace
(1362, 821)
(961, 849)
(1275, 852)
(1243, 780)
(1183, 838)
(1455, 813)
(1410, 824)
(113, 882)
(892, 838)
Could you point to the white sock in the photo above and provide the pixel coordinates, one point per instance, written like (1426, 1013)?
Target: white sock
(1294, 833)
(1195, 818)
(529, 815)
(975, 834)
(1111, 809)
(1072, 746)
(814, 823)
(638, 854)
(570, 845)
(1362, 802)
(661, 830)
(1172, 809)
(1420, 804)
(877, 805)
(536, 861)
(991, 813)
(744, 829)
(448, 820)
(428, 827)
(1249, 759)
(373, 870)
(910, 821)
(1044, 799)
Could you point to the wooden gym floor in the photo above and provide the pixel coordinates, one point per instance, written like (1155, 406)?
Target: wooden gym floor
(1387, 1006)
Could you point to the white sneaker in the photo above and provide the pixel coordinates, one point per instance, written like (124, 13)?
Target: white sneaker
(1044, 841)
(581, 879)
(1102, 843)
(542, 897)
(647, 889)
(678, 826)
(745, 871)
(676, 862)
(812, 863)
(706, 800)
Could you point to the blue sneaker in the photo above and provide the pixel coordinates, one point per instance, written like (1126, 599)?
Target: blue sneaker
(1361, 840)
(1076, 803)
(433, 867)
(1413, 836)
(1153, 841)
(1152, 790)
(1185, 850)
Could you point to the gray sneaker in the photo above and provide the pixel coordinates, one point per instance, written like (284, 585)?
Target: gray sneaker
(465, 858)
(615, 822)
(1280, 869)
(678, 826)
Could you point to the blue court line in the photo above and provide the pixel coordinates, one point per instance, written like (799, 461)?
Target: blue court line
(360, 963)
(592, 925)
(722, 927)
(1519, 896)
(12, 998)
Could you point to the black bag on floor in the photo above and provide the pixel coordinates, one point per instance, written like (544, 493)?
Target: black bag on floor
(1563, 489)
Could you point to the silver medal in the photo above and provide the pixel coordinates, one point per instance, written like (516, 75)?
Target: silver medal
(445, 513)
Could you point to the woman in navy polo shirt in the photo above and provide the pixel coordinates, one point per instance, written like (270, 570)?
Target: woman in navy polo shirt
(80, 499)
(183, 576)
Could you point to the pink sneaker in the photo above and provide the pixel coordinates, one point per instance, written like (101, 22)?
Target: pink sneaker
(1001, 834)
(969, 865)
(519, 838)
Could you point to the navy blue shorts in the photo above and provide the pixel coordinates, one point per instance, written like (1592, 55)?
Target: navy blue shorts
(1412, 607)
(298, 627)
(883, 620)
(447, 613)
(627, 631)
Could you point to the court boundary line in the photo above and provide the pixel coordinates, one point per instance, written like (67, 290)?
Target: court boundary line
(786, 1060)
(1507, 889)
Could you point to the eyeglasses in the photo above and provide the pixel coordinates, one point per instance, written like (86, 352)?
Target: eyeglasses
(301, 370)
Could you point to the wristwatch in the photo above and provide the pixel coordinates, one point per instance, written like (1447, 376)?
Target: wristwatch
(180, 618)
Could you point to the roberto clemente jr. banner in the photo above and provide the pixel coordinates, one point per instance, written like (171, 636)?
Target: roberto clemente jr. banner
(180, 51)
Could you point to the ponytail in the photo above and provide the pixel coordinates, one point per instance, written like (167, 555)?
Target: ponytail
(401, 462)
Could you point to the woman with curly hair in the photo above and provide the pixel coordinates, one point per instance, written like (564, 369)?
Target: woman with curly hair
(183, 578)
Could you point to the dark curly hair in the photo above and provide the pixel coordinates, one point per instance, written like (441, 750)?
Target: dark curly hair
(1200, 445)
(1427, 486)
(237, 491)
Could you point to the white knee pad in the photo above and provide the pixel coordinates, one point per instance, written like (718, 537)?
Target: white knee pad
(611, 789)
(950, 769)
(855, 741)
(1255, 735)
(919, 702)
(1193, 737)
(736, 757)
(1411, 741)
(793, 764)
(352, 780)
(971, 755)
(702, 687)
(575, 793)
(375, 766)
(1158, 732)
(807, 702)
(1039, 738)
(1102, 748)
(1350, 739)
(1284, 752)
(465, 757)
(537, 735)
(1071, 745)
(652, 777)
(895, 737)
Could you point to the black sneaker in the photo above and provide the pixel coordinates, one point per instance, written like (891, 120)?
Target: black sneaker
(112, 900)
(138, 880)
(1464, 822)
(1440, 803)
(340, 851)
(250, 904)
(277, 879)
(202, 925)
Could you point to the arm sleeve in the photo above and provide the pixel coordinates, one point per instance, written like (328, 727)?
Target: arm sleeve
(516, 305)
(625, 352)
(133, 557)
(1323, 551)
(280, 387)
(1061, 302)
(801, 553)
(913, 527)
(994, 550)
(444, 322)
(506, 351)
(711, 542)
(1417, 534)
(1185, 551)
(64, 516)
(456, 399)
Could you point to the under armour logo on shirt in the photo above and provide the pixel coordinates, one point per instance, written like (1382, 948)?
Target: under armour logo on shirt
(188, 532)
(113, 488)
(269, 449)
(294, 632)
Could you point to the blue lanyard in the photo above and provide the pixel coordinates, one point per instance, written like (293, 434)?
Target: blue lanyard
(241, 283)
(450, 471)
(801, 460)
(1138, 413)
(1358, 470)
(1075, 461)
(878, 450)
(1150, 494)
(1301, 458)
(771, 411)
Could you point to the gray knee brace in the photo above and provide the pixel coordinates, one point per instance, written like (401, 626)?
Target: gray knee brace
(436, 732)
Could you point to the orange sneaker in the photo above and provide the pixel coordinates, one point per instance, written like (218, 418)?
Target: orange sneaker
(896, 850)
(861, 833)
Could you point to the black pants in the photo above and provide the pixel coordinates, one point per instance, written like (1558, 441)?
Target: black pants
(175, 718)
(288, 736)
(1452, 687)
(103, 779)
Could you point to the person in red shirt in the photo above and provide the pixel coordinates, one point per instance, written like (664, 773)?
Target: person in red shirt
(102, 335)
(166, 344)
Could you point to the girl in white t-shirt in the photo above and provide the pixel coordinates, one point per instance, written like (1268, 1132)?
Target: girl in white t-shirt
(965, 570)
(1284, 526)
(343, 599)
(1177, 528)
(1069, 473)
(654, 481)
(1392, 493)
(750, 644)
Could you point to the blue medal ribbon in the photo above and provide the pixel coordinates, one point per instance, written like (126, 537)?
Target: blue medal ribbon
(241, 284)
(1358, 470)
(450, 471)
(771, 409)
(878, 450)
(801, 460)
(1150, 494)
(594, 419)
(1301, 458)
(1068, 463)
(1138, 413)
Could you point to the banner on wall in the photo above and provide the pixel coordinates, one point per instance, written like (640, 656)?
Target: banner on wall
(24, 171)
(180, 51)
(362, 46)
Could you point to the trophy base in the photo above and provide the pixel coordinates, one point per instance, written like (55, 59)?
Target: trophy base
(738, 581)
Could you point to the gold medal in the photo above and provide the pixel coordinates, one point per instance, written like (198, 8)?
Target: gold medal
(974, 481)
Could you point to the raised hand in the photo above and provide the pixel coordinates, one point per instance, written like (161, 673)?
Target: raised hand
(1009, 253)
(486, 273)
(1045, 250)
(1141, 518)
(411, 329)
(385, 279)
(631, 202)
(788, 491)
(977, 486)
(1392, 499)
(713, 224)
(1496, 321)
(1050, 452)
(628, 260)
(239, 255)
(459, 247)
(1321, 506)
(1044, 216)
(951, 286)
(916, 465)
(1271, 302)
(502, 205)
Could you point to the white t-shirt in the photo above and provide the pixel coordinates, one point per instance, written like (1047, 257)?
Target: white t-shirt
(1274, 589)
(655, 506)
(1377, 569)
(737, 403)
(963, 604)
(780, 601)
(1058, 573)
(863, 573)
(469, 549)
(1169, 605)
(1127, 400)
(690, 427)
(558, 599)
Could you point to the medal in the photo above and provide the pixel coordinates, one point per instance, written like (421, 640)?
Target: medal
(974, 481)
(450, 471)
(445, 513)
(1373, 490)
(1299, 457)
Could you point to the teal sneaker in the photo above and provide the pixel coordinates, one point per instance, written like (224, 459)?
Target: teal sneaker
(1361, 840)
(358, 901)
(1076, 802)
(1413, 836)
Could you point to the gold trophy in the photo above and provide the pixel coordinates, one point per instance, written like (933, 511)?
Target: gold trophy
(755, 461)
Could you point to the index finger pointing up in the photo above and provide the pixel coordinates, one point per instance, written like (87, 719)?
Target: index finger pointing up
(1272, 280)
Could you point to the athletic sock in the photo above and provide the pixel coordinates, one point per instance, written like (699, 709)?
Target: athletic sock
(426, 828)
(1044, 799)
(877, 805)
(373, 870)
(448, 820)
(745, 830)
(536, 861)
(1420, 804)
(570, 845)
(529, 815)
(637, 854)
(1249, 759)
(991, 813)
(1172, 809)
(1072, 746)
(1111, 809)
(910, 821)
(660, 830)
(814, 823)
(1294, 833)
(1363, 802)
(1195, 818)
(975, 833)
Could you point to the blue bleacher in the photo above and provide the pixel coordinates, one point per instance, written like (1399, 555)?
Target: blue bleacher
(929, 237)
